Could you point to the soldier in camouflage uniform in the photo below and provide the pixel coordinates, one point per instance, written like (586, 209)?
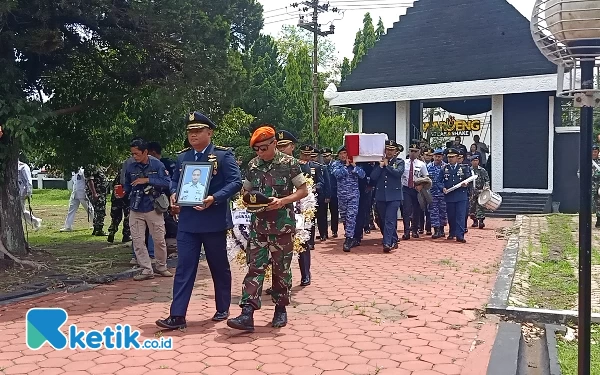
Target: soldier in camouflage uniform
(97, 190)
(347, 175)
(275, 175)
(119, 210)
(476, 211)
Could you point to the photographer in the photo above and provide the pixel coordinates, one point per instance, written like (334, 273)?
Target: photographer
(146, 183)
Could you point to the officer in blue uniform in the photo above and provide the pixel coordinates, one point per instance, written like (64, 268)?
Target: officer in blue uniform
(464, 161)
(388, 193)
(453, 174)
(323, 197)
(332, 206)
(365, 203)
(314, 171)
(204, 226)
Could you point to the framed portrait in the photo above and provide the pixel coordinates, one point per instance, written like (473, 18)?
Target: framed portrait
(193, 183)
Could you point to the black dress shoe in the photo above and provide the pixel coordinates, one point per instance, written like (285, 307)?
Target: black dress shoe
(280, 317)
(406, 236)
(220, 316)
(172, 322)
(305, 281)
(420, 232)
(395, 246)
(311, 247)
(461, 240)
(415, 235)
(334, 235)
(386, 249)
(367, 231)
(268, 291)
(450, 238)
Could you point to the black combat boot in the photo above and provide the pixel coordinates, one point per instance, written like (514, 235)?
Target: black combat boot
(436, 233)
(597, 221)
(481, 224)
(111, 237)
(280, 317)
(244, 322)
(126, 239)
(475, 222)
(348, 244)
(442, 232)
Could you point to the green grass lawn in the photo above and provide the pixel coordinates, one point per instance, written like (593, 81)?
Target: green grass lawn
(567, 353)
(76, 253)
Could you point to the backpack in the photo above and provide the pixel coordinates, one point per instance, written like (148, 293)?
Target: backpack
(25, 188)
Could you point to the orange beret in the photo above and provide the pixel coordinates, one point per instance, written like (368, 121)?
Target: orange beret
(262, 134)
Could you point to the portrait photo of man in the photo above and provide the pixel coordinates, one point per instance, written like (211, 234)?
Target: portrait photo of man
(193, 190)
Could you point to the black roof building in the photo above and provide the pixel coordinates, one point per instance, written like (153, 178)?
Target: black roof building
(442, 41)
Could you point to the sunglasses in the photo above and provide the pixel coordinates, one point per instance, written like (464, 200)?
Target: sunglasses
(263, 148)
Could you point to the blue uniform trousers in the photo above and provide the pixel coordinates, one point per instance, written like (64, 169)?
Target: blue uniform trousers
(411, 211)
(437, 211)
(457, 218)
(304, 263)
(362, 217)
(348, 205)
(188, 256)
(388, 212)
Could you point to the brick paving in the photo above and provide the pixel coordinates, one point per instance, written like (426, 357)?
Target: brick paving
(411, 312)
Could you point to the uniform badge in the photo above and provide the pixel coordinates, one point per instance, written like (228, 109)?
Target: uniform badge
(253, 198)
(312, 171)
(191, 118)
(212, 158)
(460, 172)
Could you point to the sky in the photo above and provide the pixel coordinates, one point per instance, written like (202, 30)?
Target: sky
(348, 23)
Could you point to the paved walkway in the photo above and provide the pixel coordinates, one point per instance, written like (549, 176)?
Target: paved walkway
(412, 312)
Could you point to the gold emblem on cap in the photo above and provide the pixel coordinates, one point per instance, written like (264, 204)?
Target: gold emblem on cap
(252, 198)
(281, 135)
(192, 116)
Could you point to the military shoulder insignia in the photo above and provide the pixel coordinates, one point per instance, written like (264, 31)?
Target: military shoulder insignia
(223, 148)
(184, 150)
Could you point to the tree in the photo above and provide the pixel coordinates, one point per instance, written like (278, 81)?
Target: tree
(345, 69)
(292, 38)
(263, 95)
(234, 131)
(78, 76)
(368, 32)
(298, 94)
(380, 31)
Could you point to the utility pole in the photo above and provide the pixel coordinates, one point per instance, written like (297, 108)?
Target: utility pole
(315, 28)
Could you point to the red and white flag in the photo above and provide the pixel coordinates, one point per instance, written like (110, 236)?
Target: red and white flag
(365, 147)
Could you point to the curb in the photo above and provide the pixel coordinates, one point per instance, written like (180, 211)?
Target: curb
(498, 303)
(44, 289)
(551, 348)
(506, 355)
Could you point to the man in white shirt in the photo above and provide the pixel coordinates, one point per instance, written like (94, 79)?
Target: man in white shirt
(25, 190)
(411, 211)
(77, 197)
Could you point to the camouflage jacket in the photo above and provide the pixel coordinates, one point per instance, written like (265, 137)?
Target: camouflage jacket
(483, 180)
(97, 175)
(595, 172)
(276, 178)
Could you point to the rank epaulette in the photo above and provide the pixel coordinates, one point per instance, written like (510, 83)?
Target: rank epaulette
(223, 148)
(184, 150)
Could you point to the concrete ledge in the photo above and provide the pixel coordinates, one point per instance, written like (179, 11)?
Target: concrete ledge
(550, 348)
(506, 272)
(504, 359)
(527, 314)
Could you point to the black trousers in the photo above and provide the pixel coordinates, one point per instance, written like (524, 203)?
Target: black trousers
(362, 218)
(411, 211)
(335, 213)
(322, 218)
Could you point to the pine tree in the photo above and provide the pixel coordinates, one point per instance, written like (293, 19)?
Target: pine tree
(380, 31)
(369, 37)
(345, 69)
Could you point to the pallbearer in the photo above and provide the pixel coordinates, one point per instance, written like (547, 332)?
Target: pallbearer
(456, 201)
(437, 208)
(388, 194)
(476, 211)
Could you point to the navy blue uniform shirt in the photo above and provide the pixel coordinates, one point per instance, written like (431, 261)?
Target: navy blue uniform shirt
(452, 175)
(226, 181)
(155, 171)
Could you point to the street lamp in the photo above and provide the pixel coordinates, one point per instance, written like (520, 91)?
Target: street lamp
(567, 32)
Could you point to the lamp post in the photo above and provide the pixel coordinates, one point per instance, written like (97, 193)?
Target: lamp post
(567, 32)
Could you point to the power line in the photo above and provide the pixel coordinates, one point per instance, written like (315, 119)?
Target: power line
(279, 21)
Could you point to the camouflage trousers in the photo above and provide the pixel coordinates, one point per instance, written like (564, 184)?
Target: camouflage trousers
(348, 205)
(595, 199)
(119, 210)
(437, 211)
(99, 211)
(476, 211)
(281, 248)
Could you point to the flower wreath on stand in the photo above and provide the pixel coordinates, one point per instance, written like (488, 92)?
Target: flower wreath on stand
(237, 238)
